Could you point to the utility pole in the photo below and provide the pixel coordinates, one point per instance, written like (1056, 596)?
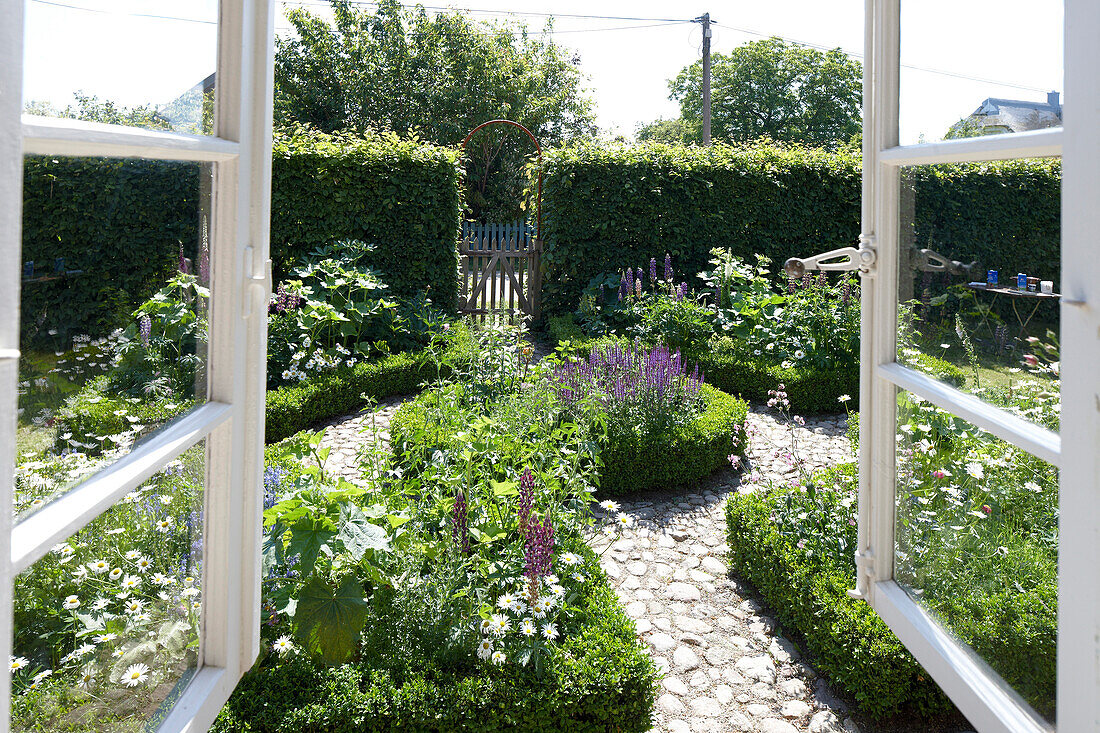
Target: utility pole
(705, 20)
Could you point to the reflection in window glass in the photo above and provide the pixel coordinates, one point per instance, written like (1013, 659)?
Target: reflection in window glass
(967, 234)
(139, 63)
(107, 624)
(977, 543)
(974, 69)
(114, 310)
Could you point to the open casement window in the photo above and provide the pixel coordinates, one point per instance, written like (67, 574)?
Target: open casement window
(979, 497)
(188, 475)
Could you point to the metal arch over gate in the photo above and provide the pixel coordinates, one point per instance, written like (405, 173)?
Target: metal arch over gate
(501, 265)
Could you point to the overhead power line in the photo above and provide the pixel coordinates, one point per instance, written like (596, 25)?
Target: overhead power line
(854, 55)
(527, 13)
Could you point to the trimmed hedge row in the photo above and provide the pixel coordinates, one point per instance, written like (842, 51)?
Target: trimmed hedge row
(810, 391)
(402, 195)
(678, 457)
(599, 679)
(606, 208)
(848, 641)
(122, 222)
(630, 464)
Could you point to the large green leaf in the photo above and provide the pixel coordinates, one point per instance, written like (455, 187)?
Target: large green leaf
(307, 536)
(329, 621)
(357, 533)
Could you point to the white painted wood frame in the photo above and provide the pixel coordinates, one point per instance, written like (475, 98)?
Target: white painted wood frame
(232, 420)
(978, 691)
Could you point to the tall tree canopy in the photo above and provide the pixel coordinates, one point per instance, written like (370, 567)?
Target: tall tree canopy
(774, 89)
(437, 76)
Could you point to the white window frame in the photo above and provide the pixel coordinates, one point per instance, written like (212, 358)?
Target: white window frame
(982, 696)
(232, 419)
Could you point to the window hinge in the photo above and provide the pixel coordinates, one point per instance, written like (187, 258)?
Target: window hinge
(860, 258)
(256, 285)
(865, 574)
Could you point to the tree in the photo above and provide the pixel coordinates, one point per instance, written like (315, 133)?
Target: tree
(437, 77)
(192, 112)
(775, 89)
(664, 131)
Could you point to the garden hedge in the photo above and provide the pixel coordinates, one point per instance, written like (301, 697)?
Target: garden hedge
(631, 464)
(678, 457)
(121, 222)
(400, 194)
(606, 208)
(599, 679)
(847, 640)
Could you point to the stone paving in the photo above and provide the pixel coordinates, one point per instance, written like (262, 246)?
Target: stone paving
(727, 667)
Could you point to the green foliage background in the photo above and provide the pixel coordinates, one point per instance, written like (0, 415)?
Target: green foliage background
(606, 208)
(397, 193)
(121, 222)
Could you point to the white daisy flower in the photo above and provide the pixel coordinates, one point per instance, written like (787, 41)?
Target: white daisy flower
(608, 505)
(42, 675)
(486, 626)
(571, 558)
(131, 582)
(159, 579)
(83, 649)
(557, 590)
(499, 658)
(283, 645)
(484, 649)
(105, 638)
(115, 574)
(142, 618)
(134, 675)
(70, 603)
(527, 628)
(550, 631)
(1032, 486)
(165, 524)
(143, 564)
(18, 663)
(844, 398)
(134, 606)
(99, 566)
(99, 604)
(80, 574)
(506, 602)
(133, 555)
(189, 592)
(116, 653)
(976, 470)
(501, 624)
(622, 520)
(578, 577)
(87, 675)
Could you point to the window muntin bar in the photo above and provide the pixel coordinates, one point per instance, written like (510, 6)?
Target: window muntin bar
(50, 136)
(1033, 144)
(34, 536)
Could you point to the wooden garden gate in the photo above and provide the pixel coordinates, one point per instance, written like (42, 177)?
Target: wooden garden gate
(501, 263)
(500, 269)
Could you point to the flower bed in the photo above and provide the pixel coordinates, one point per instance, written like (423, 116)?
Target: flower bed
(656, 426)
(976, 545)
(599, 678)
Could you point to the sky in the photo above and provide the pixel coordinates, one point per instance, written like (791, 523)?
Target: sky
(955, 53)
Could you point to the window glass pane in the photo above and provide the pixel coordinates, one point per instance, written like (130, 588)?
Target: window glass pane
(143, 63)
(107, 624)
(997, 341)
(977, 543)
(113, 312)
(970, 69)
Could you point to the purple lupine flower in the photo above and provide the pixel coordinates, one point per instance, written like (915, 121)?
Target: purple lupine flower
(204, 266)
(822, 280)
(460, 528)
(807, 281)
(791, 285)
(668, 267)
(638, 287)
(273, 479)
(183, 262)
(652, 270)
(538, 550)
(145, 329)
(526, 499)
(845, 291)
